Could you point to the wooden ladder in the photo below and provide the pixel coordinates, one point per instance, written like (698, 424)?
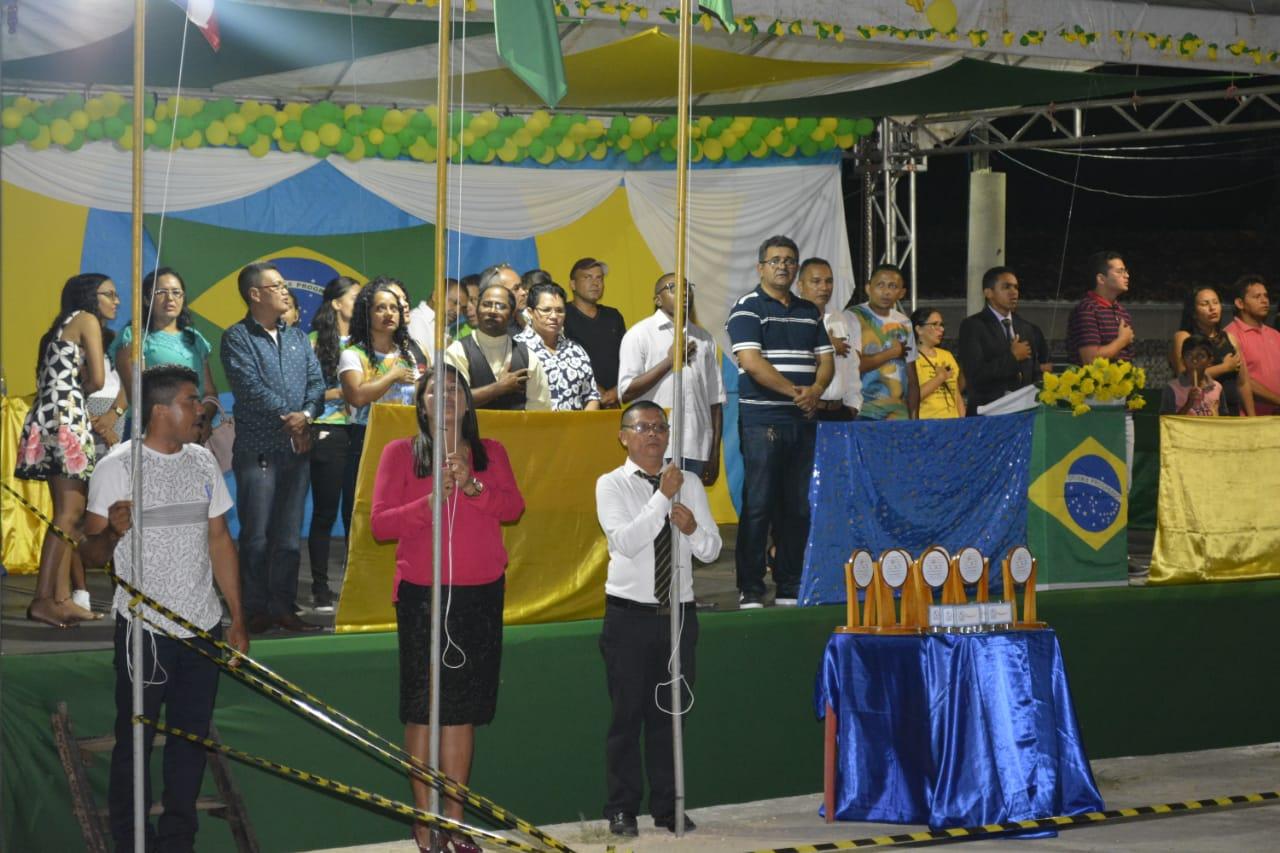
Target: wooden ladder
(77, 754)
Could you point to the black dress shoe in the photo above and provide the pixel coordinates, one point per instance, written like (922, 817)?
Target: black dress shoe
(621, 823)
(260, 623)
(669, 823)
(291, 622)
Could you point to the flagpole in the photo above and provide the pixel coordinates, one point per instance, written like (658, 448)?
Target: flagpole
(141, 808)
(437, 443)
(684, 74)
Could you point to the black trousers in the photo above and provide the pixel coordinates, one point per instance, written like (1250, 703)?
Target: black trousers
(636, 645)
(187, 688)
(329, 493)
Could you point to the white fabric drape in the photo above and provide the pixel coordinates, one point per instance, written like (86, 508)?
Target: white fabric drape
(52, 26)
(731, 211)
(101, 175)
(510, 203)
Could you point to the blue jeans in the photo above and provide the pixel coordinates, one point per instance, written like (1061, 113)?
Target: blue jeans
(271, 494)
(776, 462)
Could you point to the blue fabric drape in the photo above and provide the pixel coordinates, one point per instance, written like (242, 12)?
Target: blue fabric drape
(954, 730)
(913, 484)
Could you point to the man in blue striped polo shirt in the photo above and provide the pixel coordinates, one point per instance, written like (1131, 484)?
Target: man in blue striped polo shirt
(784, 364)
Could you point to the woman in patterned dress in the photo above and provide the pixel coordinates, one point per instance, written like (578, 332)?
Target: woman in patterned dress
(57, 440)
(567, 365)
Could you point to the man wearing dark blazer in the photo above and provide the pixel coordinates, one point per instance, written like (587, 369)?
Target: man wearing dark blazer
(999, 351)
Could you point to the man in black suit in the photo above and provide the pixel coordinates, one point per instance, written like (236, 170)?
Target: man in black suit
(999, 351)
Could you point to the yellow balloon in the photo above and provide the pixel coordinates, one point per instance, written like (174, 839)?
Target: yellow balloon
(577, 133)
(260, 146)
(541, 118)
(95, 108)
(790, 123)
(356, 152)
(11, 117)
(566, 148)
(235, 123)
(521, 137)
(760, 151)
(191, 107)
(600, 152)
(61, 132)
(394, 121)
(351, 110)
(624, 142)
(641, 126)
(286, 146)
(546, 156)
(216, 133)
(294, 110)
(508, 151)
(818, 134)
(79, 119)
(250, 110)
(942, 15)
(595, 128)
(827, 124)
(329, 134)
(193, 141)
(488, 158)
(490, 119)
(149, 126)
(740, 126)
(282, 118)
(431, 112)
(845, 141)
(468, 138)
(774, 138)
(713, 149)
(309, 142)
(125, 142)
(728, 139)
(376, 136)
(42, 140)
(161, 112)
(277, 134)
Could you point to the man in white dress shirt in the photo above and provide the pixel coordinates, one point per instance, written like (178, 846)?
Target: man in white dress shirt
(843, 397)
(644, 373)
(654, 519)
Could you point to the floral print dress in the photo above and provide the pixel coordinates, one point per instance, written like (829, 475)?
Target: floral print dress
(57, 440)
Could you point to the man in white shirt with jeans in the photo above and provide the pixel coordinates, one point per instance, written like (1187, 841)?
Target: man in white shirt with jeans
(644, 373)
(654, 520)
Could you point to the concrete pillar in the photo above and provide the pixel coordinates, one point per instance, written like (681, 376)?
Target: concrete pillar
(986, 232)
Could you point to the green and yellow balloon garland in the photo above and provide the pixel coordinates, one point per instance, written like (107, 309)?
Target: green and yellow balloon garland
(356, 132)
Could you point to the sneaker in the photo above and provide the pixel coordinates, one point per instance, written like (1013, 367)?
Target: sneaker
(784, 602)
(322, 601)
(750, 601)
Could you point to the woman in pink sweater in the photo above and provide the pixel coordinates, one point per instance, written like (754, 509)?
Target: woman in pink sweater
(480, 493)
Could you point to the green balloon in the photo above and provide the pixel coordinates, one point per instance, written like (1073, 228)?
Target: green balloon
(864, 127)
(94, 131)
(312, 118)
(552, 137)
(478, 150)
(248, 136)
(202, 120)
(163, 137)
(808, 125)
(561, 124)
(797, 136)
(292, 131)
(508, 125)
(265, 124)
(667, 154)
(667, 128)
(422, 121)
(736, 152)
(635, 154)
(390, 148)
(494, 139)
(828, 142)
(844, 127)
(43, 114)
(752, 140)
(809, 148)
(589, 145)
(760, 127)
(537, 148)
(407, 137)
(224, 107)
(373, 116)
(62, 107)
(76, 142)
(355, 127)
(183, 127)
(620, 124)
(719, 126)
(113, 127)
(344, 143)
(29, 129)
(8, 136)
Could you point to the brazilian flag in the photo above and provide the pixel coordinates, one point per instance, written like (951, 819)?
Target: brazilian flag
(1078, 508)
(209, 259)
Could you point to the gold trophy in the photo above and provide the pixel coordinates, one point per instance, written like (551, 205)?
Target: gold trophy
(1019, 569)
(859, 572)
(933, 569)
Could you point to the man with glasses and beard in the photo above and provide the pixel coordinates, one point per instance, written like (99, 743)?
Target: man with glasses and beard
(497, 366)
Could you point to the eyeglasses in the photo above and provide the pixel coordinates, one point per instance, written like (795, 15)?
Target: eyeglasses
(670, 286)
(109, 294)
(646, 428)
(277, 288)
(937, 325)
(492, 305)
(782, 262)
(549, 312)
(175, 295)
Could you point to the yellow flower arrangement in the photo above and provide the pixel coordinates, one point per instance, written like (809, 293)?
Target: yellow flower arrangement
(1102, 381)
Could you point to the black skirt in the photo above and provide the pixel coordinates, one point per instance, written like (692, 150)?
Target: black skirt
(471, 652)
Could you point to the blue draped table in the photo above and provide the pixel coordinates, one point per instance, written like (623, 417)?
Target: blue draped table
(951, 729)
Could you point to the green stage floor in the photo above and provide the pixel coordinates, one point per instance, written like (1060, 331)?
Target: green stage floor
(1152, 670)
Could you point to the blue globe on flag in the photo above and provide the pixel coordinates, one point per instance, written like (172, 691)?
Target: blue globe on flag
(1091, 492)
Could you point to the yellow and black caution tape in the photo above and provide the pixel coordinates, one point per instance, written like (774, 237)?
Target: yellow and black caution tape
(351, 792)
(1060, 822)
(340, 723)
(38, 513)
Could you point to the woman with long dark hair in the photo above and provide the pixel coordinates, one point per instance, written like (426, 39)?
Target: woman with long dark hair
(171, 338)
(1202, 315)
(57, 439)
(330, 434)
(481, 494)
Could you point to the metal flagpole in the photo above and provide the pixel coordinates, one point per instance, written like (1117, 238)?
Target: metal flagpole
(684, 73)
(141, 808)
(437, 442)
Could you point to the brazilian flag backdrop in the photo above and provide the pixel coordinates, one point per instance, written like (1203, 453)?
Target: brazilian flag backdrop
(1077, 513)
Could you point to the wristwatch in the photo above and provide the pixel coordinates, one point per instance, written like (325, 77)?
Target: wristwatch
(119, 411)
(310, 417)
(477, 485)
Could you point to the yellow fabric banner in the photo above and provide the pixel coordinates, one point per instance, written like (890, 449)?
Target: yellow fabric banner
(23, 533)
(1215, 520)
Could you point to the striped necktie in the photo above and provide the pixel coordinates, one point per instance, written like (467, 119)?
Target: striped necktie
(661, 552)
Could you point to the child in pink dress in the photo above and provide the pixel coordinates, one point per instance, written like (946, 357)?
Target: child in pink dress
(1194, 392)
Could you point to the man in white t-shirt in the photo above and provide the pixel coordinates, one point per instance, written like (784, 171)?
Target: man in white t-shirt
(644, 373)
(186, 549)
(422, 319)
(843, 397)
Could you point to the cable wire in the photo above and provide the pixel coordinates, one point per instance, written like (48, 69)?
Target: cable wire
(1141, 196)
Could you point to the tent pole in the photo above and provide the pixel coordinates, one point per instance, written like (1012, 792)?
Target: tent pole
(141, 808)
(685, 74)
(437, 443)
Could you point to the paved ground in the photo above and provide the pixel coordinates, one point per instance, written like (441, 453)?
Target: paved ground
(1124, 782)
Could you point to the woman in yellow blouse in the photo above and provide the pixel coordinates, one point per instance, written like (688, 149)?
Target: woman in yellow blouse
(941, 384)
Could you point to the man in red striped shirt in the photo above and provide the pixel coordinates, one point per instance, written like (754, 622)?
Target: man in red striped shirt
(1099, 324)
